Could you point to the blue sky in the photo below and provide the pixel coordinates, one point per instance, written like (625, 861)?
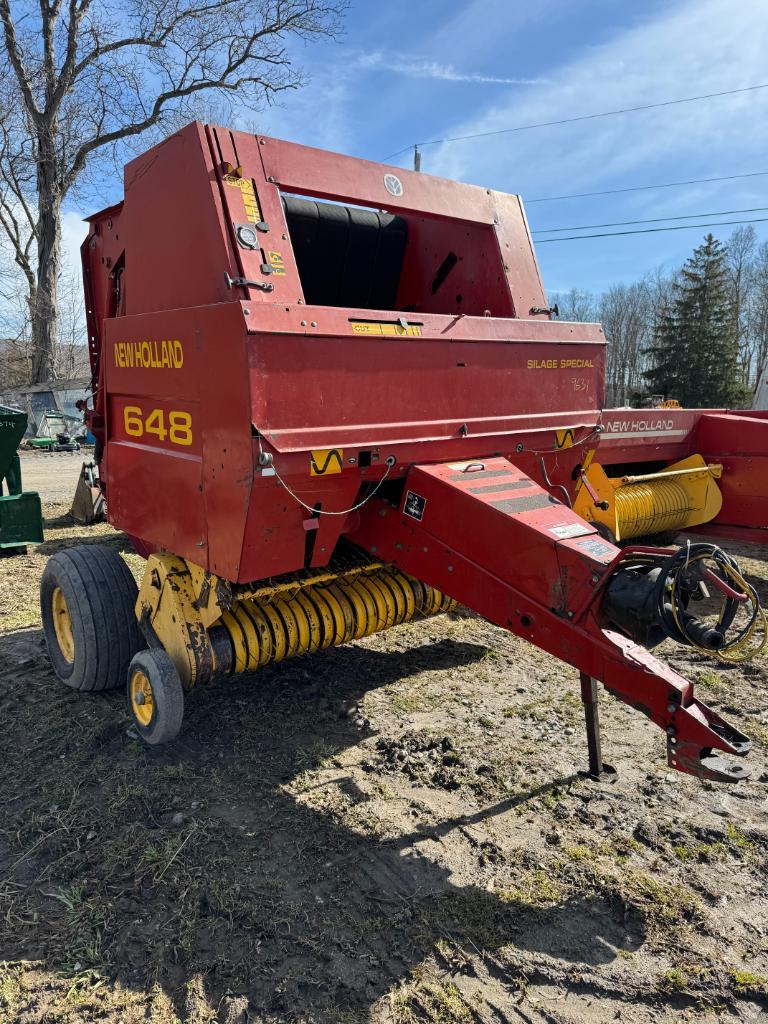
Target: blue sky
(408, 72)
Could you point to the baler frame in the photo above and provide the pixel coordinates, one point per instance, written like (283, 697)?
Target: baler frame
(296, 424)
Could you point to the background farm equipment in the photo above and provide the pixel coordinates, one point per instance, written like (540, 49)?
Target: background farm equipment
(330, 398)
(21, 519)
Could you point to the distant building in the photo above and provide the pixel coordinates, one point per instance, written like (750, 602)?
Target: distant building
(56, 396)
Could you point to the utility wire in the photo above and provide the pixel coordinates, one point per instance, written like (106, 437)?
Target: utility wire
(651, 231)
(580, 117)
(650, 220)
(642, 188)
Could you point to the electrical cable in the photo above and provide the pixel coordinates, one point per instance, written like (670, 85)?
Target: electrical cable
(650, 220)
(652, 231)
(580, 117)
(673, 589)
(680, 576)
(266, 461)
(643, 188)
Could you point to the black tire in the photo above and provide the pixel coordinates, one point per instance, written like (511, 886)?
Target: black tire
(161, 722)
(99, 597)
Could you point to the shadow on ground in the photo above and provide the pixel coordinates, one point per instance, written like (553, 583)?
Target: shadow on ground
(196, 861)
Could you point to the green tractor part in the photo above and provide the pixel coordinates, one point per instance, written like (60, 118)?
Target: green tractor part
(21, 517)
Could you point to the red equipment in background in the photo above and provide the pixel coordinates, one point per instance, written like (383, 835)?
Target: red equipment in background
(278, 377)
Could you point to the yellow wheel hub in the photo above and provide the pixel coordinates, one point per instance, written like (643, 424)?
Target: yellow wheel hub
(142, 701)
(62, 624)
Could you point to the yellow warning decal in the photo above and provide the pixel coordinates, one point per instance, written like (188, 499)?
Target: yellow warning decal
(564, 438)
(276, 261)
(385, 330)
(323, 461)
(252, 211)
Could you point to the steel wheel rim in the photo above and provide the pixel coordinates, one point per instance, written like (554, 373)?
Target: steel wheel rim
(142, 701)
(62, 625)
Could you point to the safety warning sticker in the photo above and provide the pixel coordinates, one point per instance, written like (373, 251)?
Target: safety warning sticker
(596, 547)
(275, 261)
(324, 461)
(564, 438)
(414, 505)
(252, 211)
(566, 530)
(385, 330)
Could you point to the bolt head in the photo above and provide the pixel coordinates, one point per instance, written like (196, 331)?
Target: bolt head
(671, 709)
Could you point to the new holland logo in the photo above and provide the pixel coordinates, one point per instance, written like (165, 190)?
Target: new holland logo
(323, 461)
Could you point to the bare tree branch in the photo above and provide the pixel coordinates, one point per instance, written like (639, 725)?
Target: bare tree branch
(81, 80)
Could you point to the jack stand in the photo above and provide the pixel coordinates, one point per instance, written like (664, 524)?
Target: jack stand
(598, 769)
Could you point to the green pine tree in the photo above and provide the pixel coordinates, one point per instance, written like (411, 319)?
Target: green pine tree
(695, 347)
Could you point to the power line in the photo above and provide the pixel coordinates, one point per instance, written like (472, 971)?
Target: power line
(643, 188)
(581, 117)
(651, 231)
(650, 220)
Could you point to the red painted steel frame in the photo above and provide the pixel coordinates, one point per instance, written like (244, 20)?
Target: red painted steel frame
(532, 566)
(206, 355)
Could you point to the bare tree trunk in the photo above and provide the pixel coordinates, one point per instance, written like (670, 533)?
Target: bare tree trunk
(45, 313)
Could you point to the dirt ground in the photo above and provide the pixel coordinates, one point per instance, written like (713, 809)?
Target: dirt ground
(394, 831)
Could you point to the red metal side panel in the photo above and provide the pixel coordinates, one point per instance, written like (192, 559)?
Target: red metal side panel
(740, 443)
(477, 274)
(492, 377)
(317, 172)
(153, 481)
(518, 257)
(178, 459)
(647, 435)
(177, 241)
(249, 198)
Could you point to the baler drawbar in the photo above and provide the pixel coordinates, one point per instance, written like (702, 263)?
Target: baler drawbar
(330, 398)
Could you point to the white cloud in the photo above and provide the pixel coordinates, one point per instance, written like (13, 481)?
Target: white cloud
(688, 48)
(420, 67)
(698, 47)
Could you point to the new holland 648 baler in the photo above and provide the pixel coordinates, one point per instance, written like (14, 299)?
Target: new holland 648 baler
(330, 398)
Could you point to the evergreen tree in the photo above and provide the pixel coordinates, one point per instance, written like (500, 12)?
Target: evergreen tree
(695, 347)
